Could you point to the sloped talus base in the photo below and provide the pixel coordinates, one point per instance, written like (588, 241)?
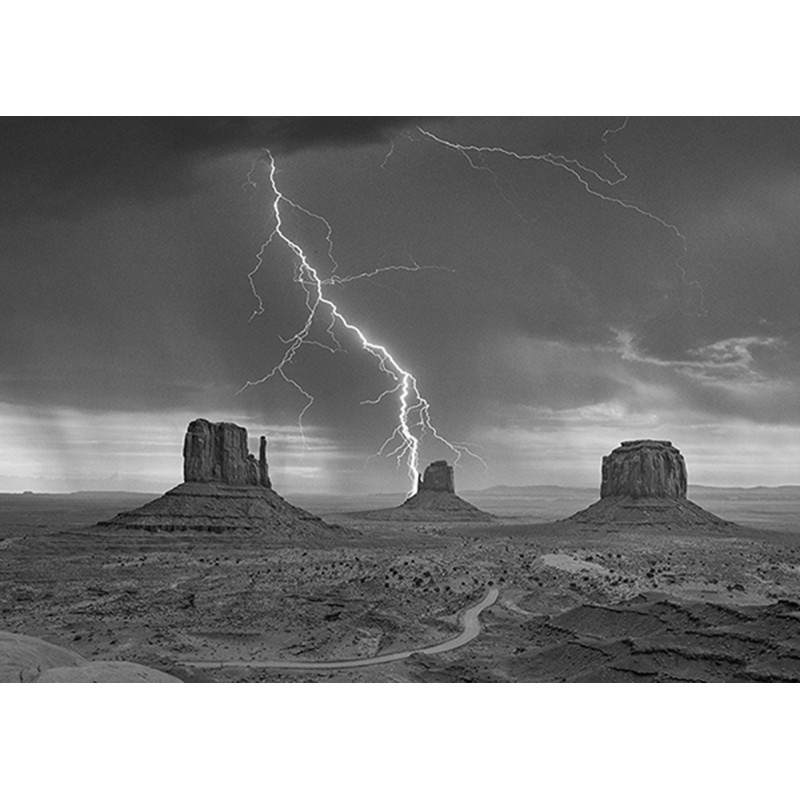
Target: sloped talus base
(219, 507)
(432, 506)
(658, 511)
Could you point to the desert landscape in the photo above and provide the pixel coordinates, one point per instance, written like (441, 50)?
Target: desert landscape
(399, 399)
(222, 580)
(404, 447)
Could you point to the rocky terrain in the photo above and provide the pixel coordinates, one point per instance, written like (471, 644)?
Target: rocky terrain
(595, 599)
(160, 598)
(26, 659)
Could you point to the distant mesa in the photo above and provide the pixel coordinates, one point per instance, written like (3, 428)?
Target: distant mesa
(435, 500)
(225, 488)
(439, 476)
(644, 482)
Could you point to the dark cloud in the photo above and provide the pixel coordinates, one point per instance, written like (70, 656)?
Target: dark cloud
(127, 290)
(60, 165)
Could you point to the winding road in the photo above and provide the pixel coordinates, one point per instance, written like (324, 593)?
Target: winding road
(469, 619)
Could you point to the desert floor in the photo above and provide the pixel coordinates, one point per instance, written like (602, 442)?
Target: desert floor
(574, 602)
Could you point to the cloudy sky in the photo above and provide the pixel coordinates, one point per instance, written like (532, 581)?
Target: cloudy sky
(611, 280)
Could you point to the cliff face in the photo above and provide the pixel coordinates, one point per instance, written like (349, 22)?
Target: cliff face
(438, 477)
(216, 452)
(644, 468)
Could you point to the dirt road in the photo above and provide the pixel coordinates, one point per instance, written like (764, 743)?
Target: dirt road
(469, 619)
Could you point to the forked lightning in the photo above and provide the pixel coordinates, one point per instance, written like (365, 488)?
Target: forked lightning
(413, 418)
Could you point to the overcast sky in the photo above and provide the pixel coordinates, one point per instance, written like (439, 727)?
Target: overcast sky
(555, 323)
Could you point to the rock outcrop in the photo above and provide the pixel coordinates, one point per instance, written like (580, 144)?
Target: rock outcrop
(644, 468)
(225, 489)
(24, 658)
(435, 501)
(644, 482)
(217, 452)
(438, 477)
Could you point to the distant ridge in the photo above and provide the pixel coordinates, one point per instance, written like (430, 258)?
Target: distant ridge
(108, 493)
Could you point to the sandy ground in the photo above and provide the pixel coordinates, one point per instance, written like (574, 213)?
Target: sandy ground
(161, 599)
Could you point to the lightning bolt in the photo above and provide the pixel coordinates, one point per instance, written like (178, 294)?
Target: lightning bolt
(583, 175)
(621, 176)
(388, 155)
(414, 413)
(392, 148)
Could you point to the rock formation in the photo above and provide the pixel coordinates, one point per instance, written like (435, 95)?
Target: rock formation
(24, 658)
(644, 468)
(644, 483)
(435, 500)
(225, 489)
(438, 477)
(216, 452)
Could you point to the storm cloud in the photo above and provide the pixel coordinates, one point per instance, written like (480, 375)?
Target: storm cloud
(61, 165)
(547, 325)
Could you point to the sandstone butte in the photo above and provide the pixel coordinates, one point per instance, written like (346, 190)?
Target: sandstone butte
(644, 482)
(435, 500)
(225, 488)
(216, 452)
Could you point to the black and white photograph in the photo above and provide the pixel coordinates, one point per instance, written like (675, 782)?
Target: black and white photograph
(351, 399)
(446, 449)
